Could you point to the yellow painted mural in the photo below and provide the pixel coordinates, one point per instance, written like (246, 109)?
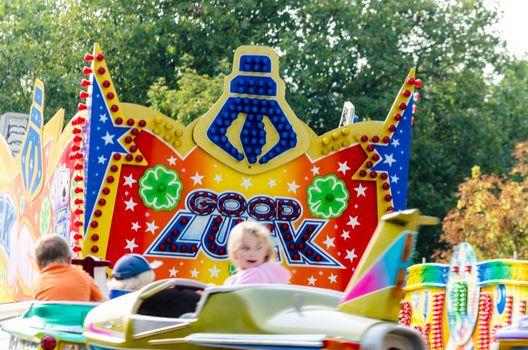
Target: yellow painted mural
(464, 304)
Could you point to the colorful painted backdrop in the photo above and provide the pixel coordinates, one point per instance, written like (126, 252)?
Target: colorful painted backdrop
(131, 180)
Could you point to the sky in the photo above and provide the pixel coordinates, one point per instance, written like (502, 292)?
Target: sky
(514, 25)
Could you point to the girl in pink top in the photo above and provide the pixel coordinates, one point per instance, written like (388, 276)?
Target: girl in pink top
(251, 251)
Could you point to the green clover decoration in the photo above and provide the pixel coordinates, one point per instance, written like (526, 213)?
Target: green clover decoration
(327, 197)
(232, 269)
(45, 216)
(22, 205)
(73, 196)
(160, 188)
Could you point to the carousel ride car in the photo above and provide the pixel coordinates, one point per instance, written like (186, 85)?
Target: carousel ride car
(170, 314)
(514, 337)
(183, 313)
(180, 313)
(49, 325)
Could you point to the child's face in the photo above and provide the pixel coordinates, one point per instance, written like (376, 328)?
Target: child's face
(250, 253)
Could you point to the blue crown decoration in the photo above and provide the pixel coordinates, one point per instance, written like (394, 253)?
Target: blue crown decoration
(253, 94)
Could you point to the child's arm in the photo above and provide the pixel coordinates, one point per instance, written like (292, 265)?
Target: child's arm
(95, 291)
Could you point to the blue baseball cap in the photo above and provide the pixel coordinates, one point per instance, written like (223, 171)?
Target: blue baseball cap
(131, 265)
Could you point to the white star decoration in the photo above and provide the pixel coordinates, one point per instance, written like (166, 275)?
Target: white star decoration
(129, 180)
(151, 227)
(292, 187)
(389, 159)
(173, 272)
(108, 138)
(360, 191)
(246, 183)
(353, 221)
(272, 183)
(343, 167)
(329, 242)
(345, 235)
(131, 244)
(332, 278)
(197, 179)
(213, 271)
(315, 170)
(171, 160)
(394, 179)
(195, 273)
(135, 226)
(351, 255)
(101, 160)
(395, 143)
(312, 280)
(218, 178)
(130, 204)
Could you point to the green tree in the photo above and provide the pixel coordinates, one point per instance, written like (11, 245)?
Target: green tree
(491, 213)
(33, 46)
(194, 94)
(507, 107)
(331, 51)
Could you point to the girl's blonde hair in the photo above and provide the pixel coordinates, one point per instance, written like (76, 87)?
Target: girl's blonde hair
(258, 230)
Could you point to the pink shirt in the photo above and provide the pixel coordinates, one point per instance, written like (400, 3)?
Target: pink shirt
(264, 273)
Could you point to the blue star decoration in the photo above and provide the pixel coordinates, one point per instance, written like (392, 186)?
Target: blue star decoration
(103, 143)
(32, 160)
(394, 159)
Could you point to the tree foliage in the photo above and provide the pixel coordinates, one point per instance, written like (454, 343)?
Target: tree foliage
(331, 50)
(491, 212)
(172, 54)
(507, 106)
(194, 94)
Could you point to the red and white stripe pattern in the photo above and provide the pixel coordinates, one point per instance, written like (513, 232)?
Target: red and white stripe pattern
(509, 309)
(437, 341)
(485, 310)
(405, 313)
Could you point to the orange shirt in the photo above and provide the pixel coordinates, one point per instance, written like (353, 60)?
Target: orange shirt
(65, 282)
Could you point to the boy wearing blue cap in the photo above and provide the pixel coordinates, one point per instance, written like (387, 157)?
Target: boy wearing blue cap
(131, 272)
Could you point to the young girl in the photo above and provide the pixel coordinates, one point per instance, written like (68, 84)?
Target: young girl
(251, 251)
